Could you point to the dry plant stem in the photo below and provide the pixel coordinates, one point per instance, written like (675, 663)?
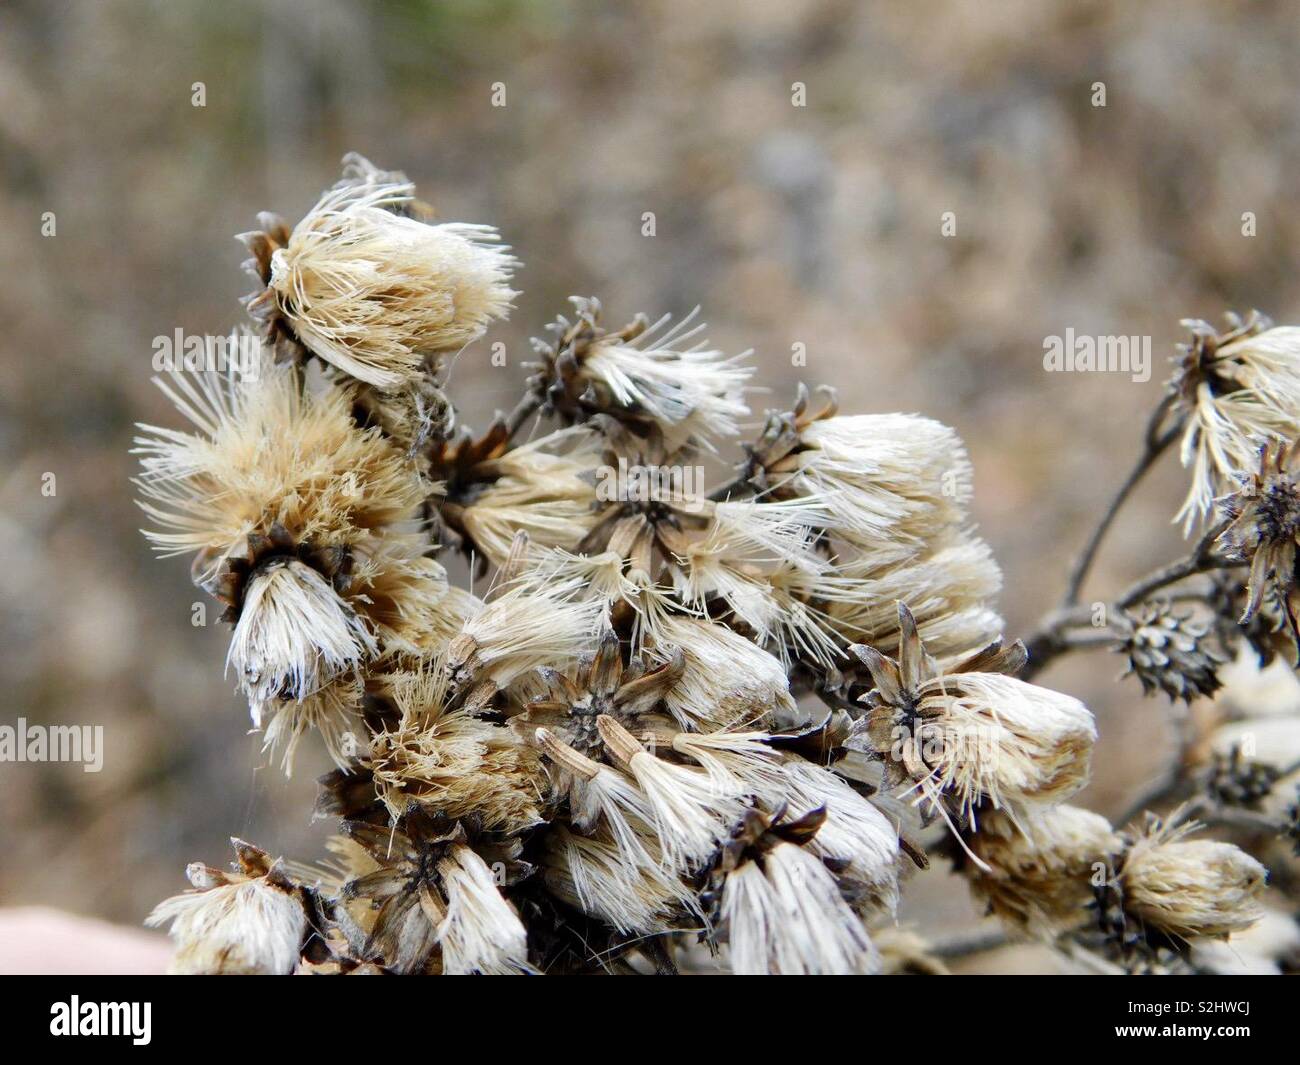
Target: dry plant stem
(1155, 443)
(527, 406)
(739, 483)
(1053, 637)
(1211, 813)
(966, 944)
(1201, 560)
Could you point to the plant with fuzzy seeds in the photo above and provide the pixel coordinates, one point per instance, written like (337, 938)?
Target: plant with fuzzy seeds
(606, 754)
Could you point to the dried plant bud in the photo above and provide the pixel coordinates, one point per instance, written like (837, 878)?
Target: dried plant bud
(1040, 868)
(249, 922)
(1190, 888)
(1232, 779)
(658, 376)
(1266, 631)
(727, 680)
(784, 915)
(687, 810)
(970, 734)
(1293, 824)
(891, 477)
(1171, 652)
(481, 933)
(1234, 389)
(1264, 530)
(449, 761)
(373, 291)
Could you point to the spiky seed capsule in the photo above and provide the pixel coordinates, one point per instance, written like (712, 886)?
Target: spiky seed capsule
(1235, 780)
(1171, 652)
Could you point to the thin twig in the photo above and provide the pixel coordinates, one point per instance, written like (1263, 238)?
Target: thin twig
(1051, 638)
(964, 944)
(1201, 560)
(1154, 444)
(527, 406)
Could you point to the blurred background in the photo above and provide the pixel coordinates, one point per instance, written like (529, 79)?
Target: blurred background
(817, 225)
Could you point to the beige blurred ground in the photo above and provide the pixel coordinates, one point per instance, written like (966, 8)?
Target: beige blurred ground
(817, 226)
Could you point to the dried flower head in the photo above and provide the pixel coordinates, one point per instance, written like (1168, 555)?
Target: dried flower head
(247, 922)
(444, 758)
(1190, 888)
(727, 680)
(1170, 652)
(971, 734)
(1264, 517)
(429, 901)
(598, 684)
(299, 522)
(543, 488)
(781, 909)
(1038, 870)
(374, 291)
(889, 477)
(267, 455)
(658, 376)
(950, 585)
(1236, 390)
(894, 490)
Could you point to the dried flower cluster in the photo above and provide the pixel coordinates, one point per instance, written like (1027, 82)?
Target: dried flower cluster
(607, 755)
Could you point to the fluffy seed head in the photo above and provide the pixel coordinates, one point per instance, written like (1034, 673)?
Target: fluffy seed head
(1192, 887)
(1009, 742)
(884, 476)
(728, 680)
(235, 923)
(784, 916)
(1040, 867)
(970, 732)
(453, 762)
(1237, 391)
(295, 635)
(481, 933)
(266, 454)
(373, 292)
